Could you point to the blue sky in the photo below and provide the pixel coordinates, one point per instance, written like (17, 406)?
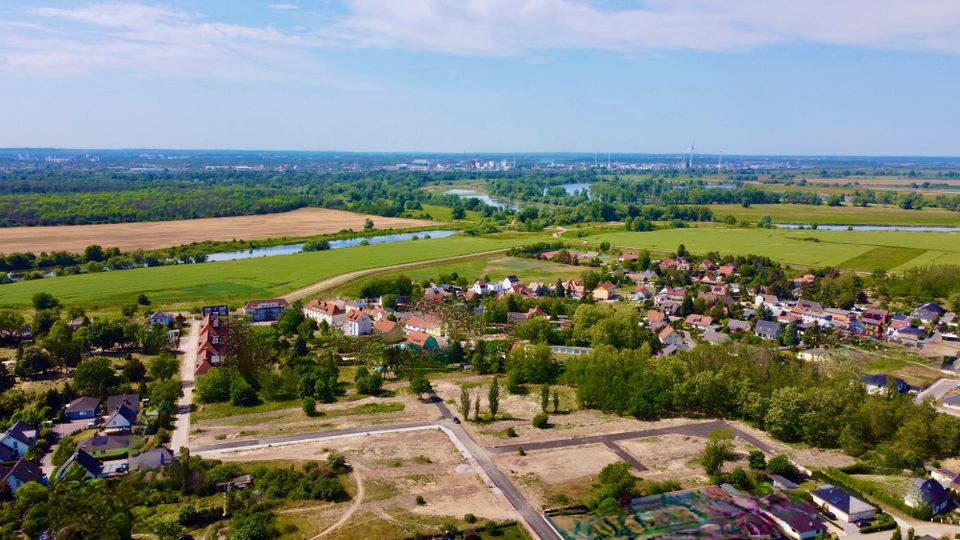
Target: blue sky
(868, 77)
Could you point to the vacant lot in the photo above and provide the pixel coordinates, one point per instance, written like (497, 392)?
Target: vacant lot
(159, 234)
(394, 468)
(845, 249)
(839, 215)
(233, 282)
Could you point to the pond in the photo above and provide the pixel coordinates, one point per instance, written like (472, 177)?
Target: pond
(474, 194)
(290, 249)
(574, 188)
(915, 228)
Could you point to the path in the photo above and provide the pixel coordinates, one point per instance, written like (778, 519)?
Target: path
(937, 389)
(188, 347)
(622, 454)
(357, 501)
(340, 279)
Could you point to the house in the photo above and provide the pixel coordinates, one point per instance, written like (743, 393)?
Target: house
(944, 476)
(778, 481)
(878, 384)
(16, 441)
(949, 318)
(389, 331)
(428, 324)
(928, 313)
(80, 466)
(509, 282)
(770, 301)
(927, 492)
(767, 330)
(154, 458)
(422, 341)
(123, 418)
(18, 474)
(673, 294)
(265, 310)
(818, 354)
(844, 505)
(357, 323)
(841, 318)
(323, 311)
(82, 408)
(669, 336)
(132, 401)
(797, 519)
(605, 291)
(714, 338)
(735, 325)
(699, 322)
(160, 318)
(215, 311)
(907, 336)
(574, 288)
(641, 293)
(212, 346)
(655, 318)
(727, 270)
(480, 287)
(105, 446)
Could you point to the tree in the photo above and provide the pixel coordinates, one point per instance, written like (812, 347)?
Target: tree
(309, 406)
(781, 465)
(896, 534)
(458, 213)
(214, 387)
(556, 401)
(369, 384)
(95, 377)
(290, 320)
(143, 300)
(757, 460)
(535, 330)
(43, 300)
(420, 385)
(541, 421)
(166, 391)
(614, 482)
(464, 402)
(11, 322)
(544, 397)
(134, 370)
(165, 528)
(718, 450)
(30, 494)
(493, 397)
(162, 367)
(476, 409)
(791, 336)
(61, 346)
(367, 224)
(241, 393)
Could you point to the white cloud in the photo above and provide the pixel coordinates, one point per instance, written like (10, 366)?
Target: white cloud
(283, 7)
(514, 27)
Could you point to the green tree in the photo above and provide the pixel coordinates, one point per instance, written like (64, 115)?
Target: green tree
(541, 421)
(556, 401)
(781, 465)
(544, 397)
(367, 224)
(162, 367)
(143, 300)
(719, 449)
(309, 406)
(241, 393)
(420, 385)
(214, 387)
(32, 362)
(95, 377)
(464, 403)
(165, 528)
(134, 370)
(614, 482)
(44, 300)
(64, 351)
(757, 460)
(166, 392)
(493, 397)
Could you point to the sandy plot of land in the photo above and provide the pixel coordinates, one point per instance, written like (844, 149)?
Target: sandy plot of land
(674, 457)
(160, 234)
(559, 465)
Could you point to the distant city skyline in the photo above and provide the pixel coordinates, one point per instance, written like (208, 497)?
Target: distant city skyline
(747, 77)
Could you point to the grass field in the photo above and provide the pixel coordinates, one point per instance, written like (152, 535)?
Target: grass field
(495, 266)
(839, 215)
(159, 234)
(234, 282)
(858, 250)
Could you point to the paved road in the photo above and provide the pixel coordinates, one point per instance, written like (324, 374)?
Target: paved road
(937, 389)
(188, 348)
(702, 429)
(622, 454)
(340, 279)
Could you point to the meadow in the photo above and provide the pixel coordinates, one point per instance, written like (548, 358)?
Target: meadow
(234, 282)
(857, 250)
(839, 215)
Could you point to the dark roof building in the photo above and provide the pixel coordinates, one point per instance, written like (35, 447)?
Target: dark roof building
(19, 474)
(83, 407)
(154, 458)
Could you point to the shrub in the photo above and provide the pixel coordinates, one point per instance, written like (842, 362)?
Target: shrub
(420, 500)
(309, 406)
(511, 432)
(541, 421)
(470, 518)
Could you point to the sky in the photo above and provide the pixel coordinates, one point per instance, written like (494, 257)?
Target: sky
(817, 77)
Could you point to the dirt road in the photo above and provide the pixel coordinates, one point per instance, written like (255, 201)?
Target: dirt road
(340, 279)
(188, 347)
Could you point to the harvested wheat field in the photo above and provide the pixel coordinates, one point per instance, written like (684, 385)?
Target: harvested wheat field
(161, 234)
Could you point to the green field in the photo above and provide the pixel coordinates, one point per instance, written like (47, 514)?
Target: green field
(495, 266)
(858, 250)
(839, 215)
(233, 282)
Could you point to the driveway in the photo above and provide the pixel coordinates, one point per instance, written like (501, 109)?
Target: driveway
(937, 390)
(188, 363)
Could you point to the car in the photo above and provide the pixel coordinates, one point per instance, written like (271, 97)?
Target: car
(829, 515)
(92, 425)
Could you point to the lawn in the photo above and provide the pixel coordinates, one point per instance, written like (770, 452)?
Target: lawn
(495, 266)
(839, 215)
(234, 282)
(804, 248)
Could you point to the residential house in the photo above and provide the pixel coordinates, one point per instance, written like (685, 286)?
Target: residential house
(668, 336)
(707, 264)
(160, 318)
(389, 331)
(509, 282)
(480, 287)
(672, 294)
(122, 419)
(265, 310)
(105, 446)
(357, 323)
(797, 519)
(83, 407)
(769, 301)
(132, 401)
(154, 458)
(806, 278)
(841, 318)
(641, 293)
(844, 505)
(605, 291)
(874, 321)
(18, 474)
(944, 476)
(880, 383)
(713, 337)
(323, 311)
(698, 322)
(212, 346)
(428, 324)
(655, 318)
(767, 330)
(727, 270)
(670, 307)
(574, 288)
(422, 341)
(950, 319)
(216, 311)
(16, 441)
(928, 313)
(80, 466)
(927, 492)
(735, 325)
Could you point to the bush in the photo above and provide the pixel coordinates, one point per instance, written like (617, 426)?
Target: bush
(420, 500)
(241, 393)
(541, 421)
(511, 432)
(309, 406)
(214, 387)
(470, 518)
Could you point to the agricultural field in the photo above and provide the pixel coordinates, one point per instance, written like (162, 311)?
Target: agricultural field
(233, 282)
(839, 215)
(160, 234)
(857, 250)
(495, 266)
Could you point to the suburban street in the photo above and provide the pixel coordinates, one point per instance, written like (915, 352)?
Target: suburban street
(188, 349)
(937, 390)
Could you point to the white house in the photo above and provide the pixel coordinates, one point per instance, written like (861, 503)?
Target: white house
(846, 507)
(357, 323)
(16, 440)
(323, 311)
